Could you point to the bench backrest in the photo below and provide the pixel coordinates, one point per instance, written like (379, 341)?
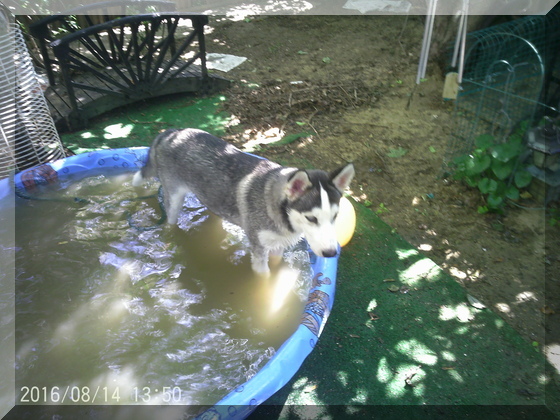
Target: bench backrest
(57, 26)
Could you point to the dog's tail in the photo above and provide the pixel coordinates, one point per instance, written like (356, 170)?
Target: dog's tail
(150, 169)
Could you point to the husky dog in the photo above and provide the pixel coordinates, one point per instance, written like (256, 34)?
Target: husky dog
(274, 205)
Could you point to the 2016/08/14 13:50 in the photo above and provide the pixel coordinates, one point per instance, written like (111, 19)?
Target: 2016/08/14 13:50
(98, 395)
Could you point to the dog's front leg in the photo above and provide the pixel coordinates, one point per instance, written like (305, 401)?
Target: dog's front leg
(275, 256)
(173, 198)
(259, 260)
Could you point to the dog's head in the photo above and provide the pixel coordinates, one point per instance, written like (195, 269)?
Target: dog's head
(312, 201)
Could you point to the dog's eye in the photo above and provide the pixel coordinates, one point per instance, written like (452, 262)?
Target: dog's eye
(312, 219)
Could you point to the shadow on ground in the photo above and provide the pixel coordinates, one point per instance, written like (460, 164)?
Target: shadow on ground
(402, 336)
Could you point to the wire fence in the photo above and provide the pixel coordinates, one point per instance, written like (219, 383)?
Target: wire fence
(511, 80)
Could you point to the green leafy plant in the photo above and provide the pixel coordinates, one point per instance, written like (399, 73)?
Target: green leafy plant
(381, 209)
(396, 153)
(494, 169)
(554, 217)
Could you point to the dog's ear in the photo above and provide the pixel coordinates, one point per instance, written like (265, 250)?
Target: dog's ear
(297, 184)
(342, 177)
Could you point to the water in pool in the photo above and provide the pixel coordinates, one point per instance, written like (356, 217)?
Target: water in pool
(171, 315)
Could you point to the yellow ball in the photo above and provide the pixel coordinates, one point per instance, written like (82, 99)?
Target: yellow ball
(345, 223)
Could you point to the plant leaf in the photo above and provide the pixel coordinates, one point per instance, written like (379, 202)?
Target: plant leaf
(484, 141)
(516, 138)
(476, 165)
(460, 159)
(502, 170)
(501, 188)
(472, 181)
(506, 151)
(522, 178)
(512, 193)
(494, 201)
(487, 185)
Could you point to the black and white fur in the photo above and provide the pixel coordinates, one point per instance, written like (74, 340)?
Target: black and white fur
(274, 205)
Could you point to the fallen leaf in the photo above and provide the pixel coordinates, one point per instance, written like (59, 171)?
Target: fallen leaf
(394, 288)
(354, 335)
(388, 280)
(373, 316)
(408, 379)
(475, 303)
(309, 388)
(547, 310)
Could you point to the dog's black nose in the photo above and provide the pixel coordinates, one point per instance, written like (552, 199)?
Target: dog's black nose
(329, 253)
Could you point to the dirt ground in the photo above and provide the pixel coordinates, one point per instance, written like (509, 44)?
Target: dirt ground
(349, 82)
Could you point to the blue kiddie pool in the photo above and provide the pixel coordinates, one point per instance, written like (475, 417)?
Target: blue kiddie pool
(239, 402)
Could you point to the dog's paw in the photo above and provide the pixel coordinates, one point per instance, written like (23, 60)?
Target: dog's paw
(260, 267)
(262, 276)
(260, 272)
(275, 260)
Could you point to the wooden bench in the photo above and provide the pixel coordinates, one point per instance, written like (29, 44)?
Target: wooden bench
(120, 61)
